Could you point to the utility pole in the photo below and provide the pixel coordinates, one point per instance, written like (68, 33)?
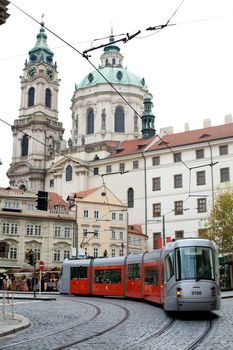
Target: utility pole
(163, 229)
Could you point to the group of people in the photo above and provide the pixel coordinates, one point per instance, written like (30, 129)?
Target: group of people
(5, 282)
(25, 283)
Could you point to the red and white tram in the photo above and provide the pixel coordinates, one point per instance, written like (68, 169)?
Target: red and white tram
(183, 276)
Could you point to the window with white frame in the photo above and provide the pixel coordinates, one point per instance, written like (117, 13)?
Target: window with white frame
(178, 207)
(156, 184)
(84, 232)
(113, 234)
(224, 174)
(177, 157)
(200, 178)
(85, 213)
(135, 164)
(67, 232)
(56, 255)
(199, 153)
(95, 252)
(122, 167)
(113, 252)
(156, 209)
(66, 254)
(121, 235)
(113, 216)
(31, 207)
(223, 150)
(155, 160)
(96, 214)
(121, 216)
(178, 183)
(57, 231)
(108, 169)
(201, 205)
(10, 228)
(12, 253)
(33, 230)
(11, 205)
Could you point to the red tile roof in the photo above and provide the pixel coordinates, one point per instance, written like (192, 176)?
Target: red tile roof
(136, 229)
(55, 199)
(131, 146)
(195, 136)
(82, 194)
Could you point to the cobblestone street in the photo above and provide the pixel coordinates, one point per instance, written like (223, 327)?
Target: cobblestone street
(97, 323)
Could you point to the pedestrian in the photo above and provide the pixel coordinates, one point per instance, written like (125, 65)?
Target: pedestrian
(8, 283)
(29, 284)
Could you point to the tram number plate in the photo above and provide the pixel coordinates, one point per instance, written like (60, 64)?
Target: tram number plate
(197, 292)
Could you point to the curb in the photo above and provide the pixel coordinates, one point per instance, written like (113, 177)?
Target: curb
(9, 329)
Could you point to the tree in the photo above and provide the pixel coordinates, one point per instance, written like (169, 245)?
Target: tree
(219, 226)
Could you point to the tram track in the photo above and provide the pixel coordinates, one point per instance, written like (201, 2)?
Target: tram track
(62, 333)
(96, 314)
(200, 339)
(152, 336)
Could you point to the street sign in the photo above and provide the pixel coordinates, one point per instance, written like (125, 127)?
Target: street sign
(41, 265)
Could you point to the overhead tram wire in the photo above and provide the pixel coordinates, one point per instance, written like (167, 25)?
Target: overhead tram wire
(47, 146)
(85, 55)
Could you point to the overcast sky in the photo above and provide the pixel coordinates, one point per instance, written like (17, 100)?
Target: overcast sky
(188, 67)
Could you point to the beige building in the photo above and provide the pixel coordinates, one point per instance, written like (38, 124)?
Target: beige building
(137, 240)
(101, 223)
(48, 233)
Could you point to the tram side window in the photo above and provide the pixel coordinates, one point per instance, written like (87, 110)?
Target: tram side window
(151, 276)
(78, 273)
(112, 276)
(133, 271)
(169, 271)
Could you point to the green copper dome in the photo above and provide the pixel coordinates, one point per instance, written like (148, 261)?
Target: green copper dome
(41, 52)
(115, 75)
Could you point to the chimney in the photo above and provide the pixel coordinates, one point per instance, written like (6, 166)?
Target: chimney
(206, 123)
(186, 127)
(167, 130)
(228, 119)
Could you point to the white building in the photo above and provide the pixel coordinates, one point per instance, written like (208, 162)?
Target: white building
(167, 180)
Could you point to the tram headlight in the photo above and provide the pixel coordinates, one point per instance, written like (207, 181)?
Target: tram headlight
(178, 292)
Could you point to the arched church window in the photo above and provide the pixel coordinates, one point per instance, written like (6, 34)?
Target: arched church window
(48, 97)
(69, 173)
(119, 120)
(113, 61)
(90, 122)
(31, 97)
(130, 196)
(24, 148)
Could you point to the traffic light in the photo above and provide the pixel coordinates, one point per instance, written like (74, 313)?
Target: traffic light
(3, 11)
(42, 200)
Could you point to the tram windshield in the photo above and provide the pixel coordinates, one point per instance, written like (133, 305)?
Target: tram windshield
(194, 263)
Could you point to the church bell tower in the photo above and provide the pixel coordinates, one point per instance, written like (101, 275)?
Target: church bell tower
(37, 133)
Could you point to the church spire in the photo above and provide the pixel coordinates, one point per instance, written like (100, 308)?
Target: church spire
(41, 52)
(148, 129)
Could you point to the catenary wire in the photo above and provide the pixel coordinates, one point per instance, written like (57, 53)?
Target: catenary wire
(102, 75)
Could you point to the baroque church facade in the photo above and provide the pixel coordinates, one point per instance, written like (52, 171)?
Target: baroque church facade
(166, 180)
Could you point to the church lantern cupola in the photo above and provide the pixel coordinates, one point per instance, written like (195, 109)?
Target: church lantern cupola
(148, 129)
